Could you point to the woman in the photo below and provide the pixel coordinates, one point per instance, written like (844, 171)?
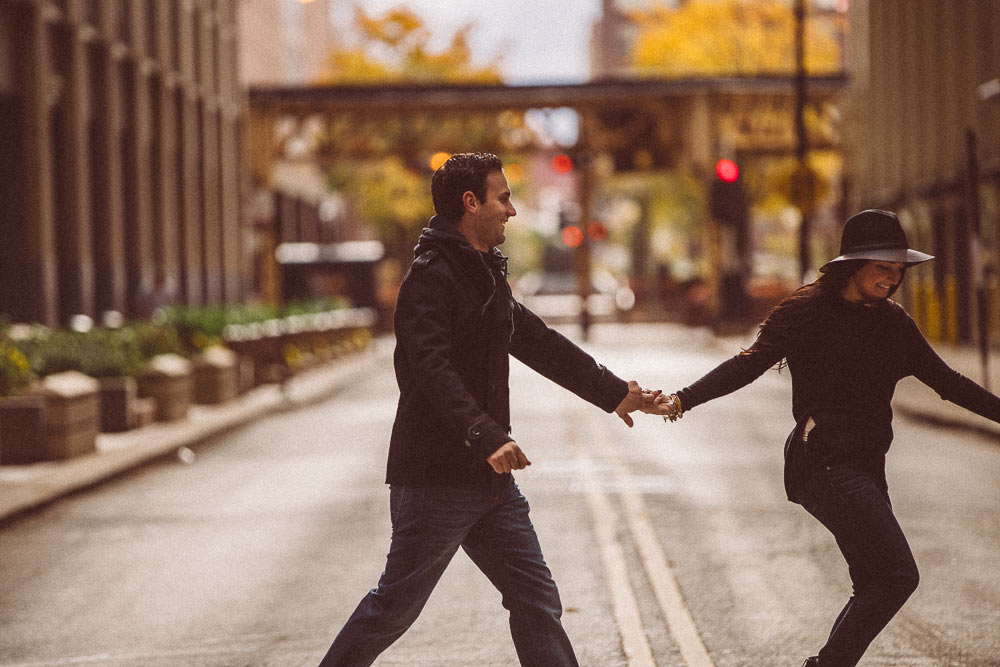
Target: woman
(846, 345)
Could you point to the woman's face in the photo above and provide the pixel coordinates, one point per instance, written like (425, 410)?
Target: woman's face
(874, 281)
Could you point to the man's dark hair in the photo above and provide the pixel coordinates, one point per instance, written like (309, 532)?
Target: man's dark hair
(461, 173)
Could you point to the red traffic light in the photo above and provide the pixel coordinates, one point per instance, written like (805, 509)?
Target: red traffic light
(572, 236)
(597, 231)
(562, 163)
(727, 170)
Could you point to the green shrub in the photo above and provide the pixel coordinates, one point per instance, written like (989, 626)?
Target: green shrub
(202, 327)
(98, 353)
(153, 339)
(311, 306)
(15, 371)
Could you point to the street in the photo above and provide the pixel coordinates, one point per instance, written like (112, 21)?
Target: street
(672, 544)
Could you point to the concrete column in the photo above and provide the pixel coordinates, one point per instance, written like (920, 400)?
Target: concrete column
(191, 241)
(951, 158)
(929, 109)
(139, 215)
(986, 27)
(27, 254)
(110, 284)
(891, 105)
(230, 209)
(910, 166)
(168, 220)
(212, 237)
(40, 277)
(73, 173)
(235, 270)
(876, 113)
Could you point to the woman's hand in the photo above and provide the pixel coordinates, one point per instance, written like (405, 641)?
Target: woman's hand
(668, 406)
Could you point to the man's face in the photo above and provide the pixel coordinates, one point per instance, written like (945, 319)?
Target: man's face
(485, 227)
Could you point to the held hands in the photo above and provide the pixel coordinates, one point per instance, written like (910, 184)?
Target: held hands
(652, 402)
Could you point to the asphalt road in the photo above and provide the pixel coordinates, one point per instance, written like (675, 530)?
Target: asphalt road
(672, 543)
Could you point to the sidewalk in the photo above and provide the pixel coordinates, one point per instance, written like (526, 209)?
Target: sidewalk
(25, 487)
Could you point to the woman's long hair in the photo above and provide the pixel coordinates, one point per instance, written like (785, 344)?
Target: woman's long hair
(798, 307)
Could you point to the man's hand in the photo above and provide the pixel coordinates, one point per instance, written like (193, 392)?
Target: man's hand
(508, 457)
(637, 399)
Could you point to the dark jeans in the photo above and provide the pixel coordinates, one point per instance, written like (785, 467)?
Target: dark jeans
(428, 527)
(856, 509)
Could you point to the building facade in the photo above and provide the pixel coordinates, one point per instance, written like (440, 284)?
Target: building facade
(922, 137)
(121, 166)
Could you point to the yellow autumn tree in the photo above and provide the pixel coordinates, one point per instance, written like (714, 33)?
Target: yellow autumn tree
(731, 38)
(394, 46)
(390, 189)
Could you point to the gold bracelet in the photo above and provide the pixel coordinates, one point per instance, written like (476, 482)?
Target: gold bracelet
(680, 409)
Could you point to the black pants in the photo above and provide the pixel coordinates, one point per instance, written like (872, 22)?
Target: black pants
(492, 526)
(855, 507)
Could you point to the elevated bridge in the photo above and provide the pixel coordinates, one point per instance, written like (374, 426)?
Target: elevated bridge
(678, 122)
(684, 124)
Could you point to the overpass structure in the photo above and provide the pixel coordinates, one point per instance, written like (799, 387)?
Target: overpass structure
(682, 124)
(679, 121)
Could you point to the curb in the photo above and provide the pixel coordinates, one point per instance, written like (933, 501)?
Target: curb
(24, 488)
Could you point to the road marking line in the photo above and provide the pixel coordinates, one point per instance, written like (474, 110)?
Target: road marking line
(624, 605)
(661, 576)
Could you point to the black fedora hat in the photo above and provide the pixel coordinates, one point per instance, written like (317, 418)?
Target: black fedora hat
(875, 234)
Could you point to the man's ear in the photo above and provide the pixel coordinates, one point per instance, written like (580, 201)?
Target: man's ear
(470, 201)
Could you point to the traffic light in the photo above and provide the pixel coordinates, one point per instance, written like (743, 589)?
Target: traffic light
(570, 231)
(596, 231)
(562, 163)
(727, 198)
(572, 236)
(728, 207)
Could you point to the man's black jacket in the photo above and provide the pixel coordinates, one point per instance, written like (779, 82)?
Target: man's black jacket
(456, 321)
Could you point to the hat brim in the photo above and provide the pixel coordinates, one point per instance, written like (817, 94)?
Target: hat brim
(902, 255)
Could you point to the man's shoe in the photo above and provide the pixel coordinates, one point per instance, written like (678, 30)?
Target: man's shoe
(811, 662)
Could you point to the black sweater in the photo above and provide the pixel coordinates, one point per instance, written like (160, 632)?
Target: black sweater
(845, 360)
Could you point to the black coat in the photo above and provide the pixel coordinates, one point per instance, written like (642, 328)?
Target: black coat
(455, 322)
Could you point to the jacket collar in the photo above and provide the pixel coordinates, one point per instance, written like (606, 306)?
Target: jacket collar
(484, 268)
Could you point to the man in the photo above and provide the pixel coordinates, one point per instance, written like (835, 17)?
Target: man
(451, 452)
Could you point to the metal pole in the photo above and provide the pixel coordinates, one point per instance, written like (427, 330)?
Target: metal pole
(581, 256)
(805, 259)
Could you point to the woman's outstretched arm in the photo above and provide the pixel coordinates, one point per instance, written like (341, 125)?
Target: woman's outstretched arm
(950, 385)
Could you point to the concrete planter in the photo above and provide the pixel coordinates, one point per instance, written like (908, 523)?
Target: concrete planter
(279, 348)
(73, 414)
(59, 419)
(118, 403)
(247, 373)
(216, 376)
(22, 429)
(168, 380)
